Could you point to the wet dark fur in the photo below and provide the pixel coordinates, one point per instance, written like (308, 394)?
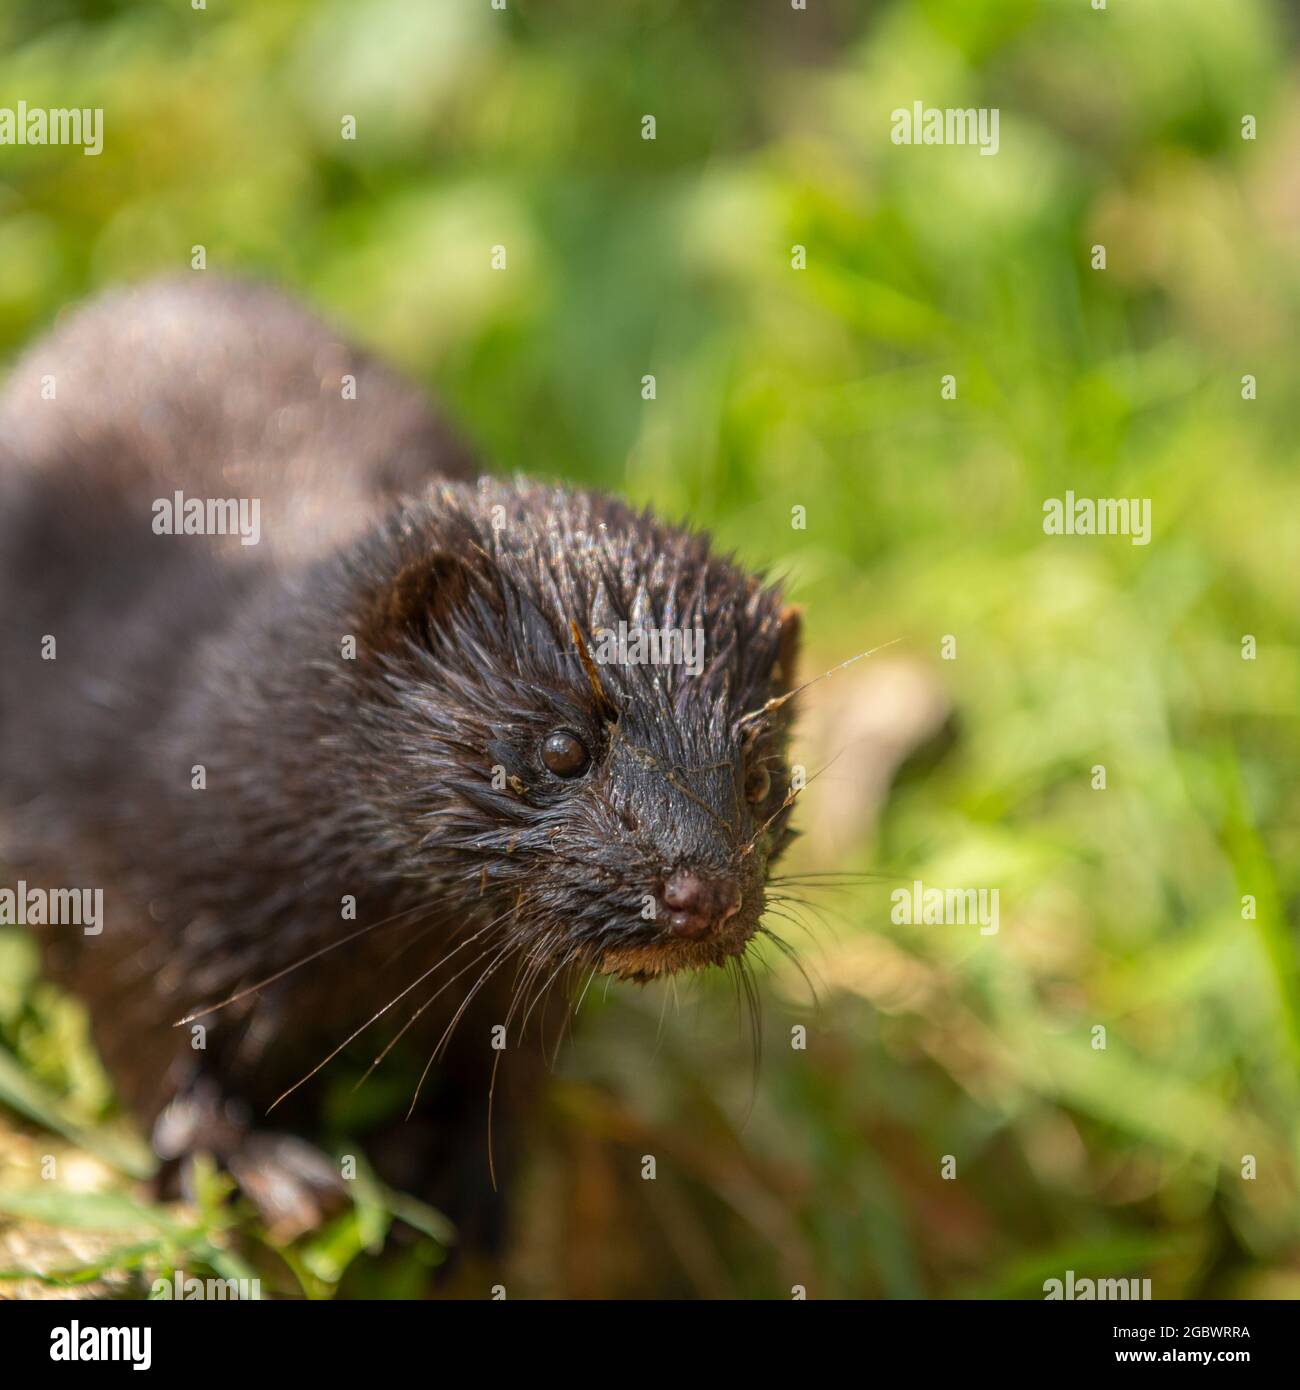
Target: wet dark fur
(325, 776)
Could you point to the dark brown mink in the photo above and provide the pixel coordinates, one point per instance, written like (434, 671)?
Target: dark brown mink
(391, 700)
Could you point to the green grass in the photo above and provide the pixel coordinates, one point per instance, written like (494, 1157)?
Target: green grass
(820, 388)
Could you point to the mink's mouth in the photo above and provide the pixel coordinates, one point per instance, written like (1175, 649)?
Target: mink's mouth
(648, 960)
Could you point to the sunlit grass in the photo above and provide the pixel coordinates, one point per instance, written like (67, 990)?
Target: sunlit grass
(819, 389)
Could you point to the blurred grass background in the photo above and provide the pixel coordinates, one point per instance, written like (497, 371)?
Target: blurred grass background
(817, 388)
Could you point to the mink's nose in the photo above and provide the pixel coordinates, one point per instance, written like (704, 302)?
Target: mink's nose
(699, 903)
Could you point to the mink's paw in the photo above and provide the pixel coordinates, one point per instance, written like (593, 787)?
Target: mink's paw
(293, 1185)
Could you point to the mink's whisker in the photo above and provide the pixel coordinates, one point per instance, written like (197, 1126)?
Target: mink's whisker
(585, 988)
(754, 1006)
(792, 956)
(358, 1031)
(416, 1016)
(502, 955)
(306, 960)
(777, 701)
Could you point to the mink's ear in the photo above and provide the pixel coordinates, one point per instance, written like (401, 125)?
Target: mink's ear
(787, 649)
(415, 604)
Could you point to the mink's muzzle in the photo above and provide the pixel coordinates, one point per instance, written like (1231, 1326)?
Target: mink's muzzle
(703, 919)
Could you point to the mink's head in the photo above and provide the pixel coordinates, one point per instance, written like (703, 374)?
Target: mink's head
(565, 710)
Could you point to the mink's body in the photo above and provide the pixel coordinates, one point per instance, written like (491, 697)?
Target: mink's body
(368, 692)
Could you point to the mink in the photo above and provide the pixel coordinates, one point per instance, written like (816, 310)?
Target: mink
(365, 780)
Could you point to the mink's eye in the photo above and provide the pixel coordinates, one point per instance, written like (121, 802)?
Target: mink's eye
(565, 754)
(758, 782)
